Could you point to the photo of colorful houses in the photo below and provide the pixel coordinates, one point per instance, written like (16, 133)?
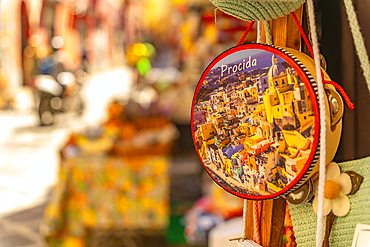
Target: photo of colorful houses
(253, 122)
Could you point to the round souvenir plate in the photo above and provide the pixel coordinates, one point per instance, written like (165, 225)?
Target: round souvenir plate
(253, 120)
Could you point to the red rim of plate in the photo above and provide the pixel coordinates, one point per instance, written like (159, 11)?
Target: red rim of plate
(312, 89)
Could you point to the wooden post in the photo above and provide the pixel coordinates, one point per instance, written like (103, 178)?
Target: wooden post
(284, 33)
(272, 222)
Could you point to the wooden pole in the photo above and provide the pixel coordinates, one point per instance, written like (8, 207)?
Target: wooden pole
(284, 33)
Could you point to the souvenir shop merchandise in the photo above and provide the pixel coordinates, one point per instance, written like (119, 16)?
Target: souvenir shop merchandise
(253, 141)
(254, 117)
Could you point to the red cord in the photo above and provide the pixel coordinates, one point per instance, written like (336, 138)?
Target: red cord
(246, 32)
(257, 210)
(336, 85)
(342, 92)
(304, 38)
(302, 33)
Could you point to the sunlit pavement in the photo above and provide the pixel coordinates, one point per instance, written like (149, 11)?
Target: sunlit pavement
(29, 153)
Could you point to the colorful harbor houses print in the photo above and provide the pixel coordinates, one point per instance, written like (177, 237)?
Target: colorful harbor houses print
(253, 122)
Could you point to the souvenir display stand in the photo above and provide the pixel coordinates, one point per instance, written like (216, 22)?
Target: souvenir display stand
(112, 183)
(273, 144)
(103, 193)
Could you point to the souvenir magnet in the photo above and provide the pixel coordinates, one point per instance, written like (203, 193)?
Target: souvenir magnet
(255, 120)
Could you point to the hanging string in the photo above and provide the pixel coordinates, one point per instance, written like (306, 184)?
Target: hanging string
(268, 32)
(302, 33)
(257, 208)
(259, 31)
(215, 14)
(245, 33)
(245, 207)
(358, 40)
(322, 163)
(342, 92)
(336, 85)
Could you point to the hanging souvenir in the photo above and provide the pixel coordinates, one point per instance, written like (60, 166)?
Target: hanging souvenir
(253, 121)
(254, 115)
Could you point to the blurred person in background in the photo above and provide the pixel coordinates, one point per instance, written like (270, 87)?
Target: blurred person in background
(58, 60)
(58, 83)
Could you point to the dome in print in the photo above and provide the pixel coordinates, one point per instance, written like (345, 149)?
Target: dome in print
(276, 69)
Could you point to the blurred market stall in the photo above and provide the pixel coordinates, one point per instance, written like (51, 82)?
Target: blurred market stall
(115, 177)
(91, 30)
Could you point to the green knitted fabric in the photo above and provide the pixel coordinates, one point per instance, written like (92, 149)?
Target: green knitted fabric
(257, 10)
(304, 219)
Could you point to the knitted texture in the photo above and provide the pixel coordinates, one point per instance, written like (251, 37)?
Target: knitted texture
(257, 10)
(268, 32)
(304, 218)
(358, 40)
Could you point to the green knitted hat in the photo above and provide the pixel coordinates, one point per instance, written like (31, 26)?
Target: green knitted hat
(254, 10)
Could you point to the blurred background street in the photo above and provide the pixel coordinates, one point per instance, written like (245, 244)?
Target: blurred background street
(96, 146)
(29, 155)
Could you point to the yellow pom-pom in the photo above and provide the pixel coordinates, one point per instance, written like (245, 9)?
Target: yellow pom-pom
(331, 190)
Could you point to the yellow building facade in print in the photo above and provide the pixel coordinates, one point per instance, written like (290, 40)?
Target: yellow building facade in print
(206, 133)
(285, 98)
(206, 130)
